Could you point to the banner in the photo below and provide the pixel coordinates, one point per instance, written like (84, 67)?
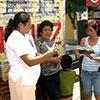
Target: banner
(1, 40)
(39, 10)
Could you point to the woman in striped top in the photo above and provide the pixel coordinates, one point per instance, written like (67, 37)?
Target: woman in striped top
(91, 62)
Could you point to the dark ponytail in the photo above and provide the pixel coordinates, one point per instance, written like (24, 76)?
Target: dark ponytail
(20, 17)
(8, 30)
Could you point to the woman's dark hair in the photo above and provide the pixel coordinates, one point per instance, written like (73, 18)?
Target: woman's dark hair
(20, 17)
(66, 61)
(92, 23)
(98, 31)
(42, 25)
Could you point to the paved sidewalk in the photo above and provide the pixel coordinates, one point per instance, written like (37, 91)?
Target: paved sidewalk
(76, 92)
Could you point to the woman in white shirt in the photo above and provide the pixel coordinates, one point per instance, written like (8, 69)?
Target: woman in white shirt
(22, 56)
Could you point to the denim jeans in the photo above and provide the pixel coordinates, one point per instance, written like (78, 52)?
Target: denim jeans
(91, 82)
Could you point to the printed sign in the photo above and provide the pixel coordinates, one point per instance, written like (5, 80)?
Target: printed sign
(92, 3)
(1, 40)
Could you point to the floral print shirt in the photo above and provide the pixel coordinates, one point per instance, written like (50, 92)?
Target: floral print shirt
(47, 68)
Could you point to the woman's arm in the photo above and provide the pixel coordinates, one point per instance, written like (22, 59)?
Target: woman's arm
(76, 51)
(30, 60)
(96, 58)
(55, 60)
(92, 57)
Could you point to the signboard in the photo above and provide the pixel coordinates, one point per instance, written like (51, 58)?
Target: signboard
(92, 3)
(39, 10)
(1, 40)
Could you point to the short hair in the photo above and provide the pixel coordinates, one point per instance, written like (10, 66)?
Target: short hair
(42, 25)
(66, 61)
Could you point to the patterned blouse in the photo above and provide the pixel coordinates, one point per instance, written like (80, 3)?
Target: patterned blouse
(48, 68)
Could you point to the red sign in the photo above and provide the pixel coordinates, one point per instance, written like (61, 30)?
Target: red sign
(57, 31)
(1, 40)
(92, 3)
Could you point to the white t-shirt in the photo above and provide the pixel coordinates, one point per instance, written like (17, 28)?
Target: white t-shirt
(89, 64)
(16, 46)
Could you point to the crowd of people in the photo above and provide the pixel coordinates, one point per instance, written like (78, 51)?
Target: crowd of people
(37, 62)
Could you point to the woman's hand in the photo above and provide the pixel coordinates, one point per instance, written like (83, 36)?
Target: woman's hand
(88, 54)
(55, 60)
(76, 52)
(52, 50)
